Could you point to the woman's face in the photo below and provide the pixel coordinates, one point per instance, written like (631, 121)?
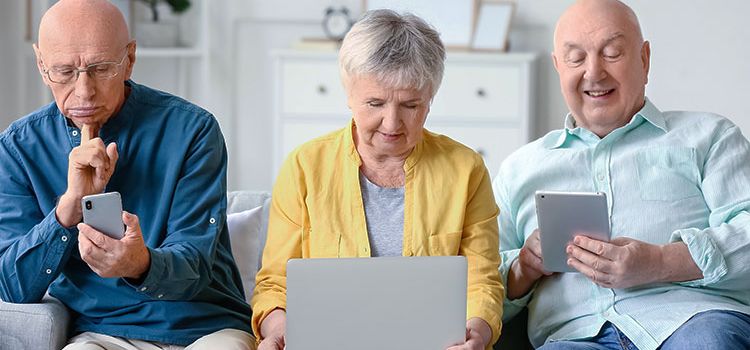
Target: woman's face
(388, 121)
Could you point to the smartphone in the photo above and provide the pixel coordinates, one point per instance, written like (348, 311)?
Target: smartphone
(103, 212)
(563, 215)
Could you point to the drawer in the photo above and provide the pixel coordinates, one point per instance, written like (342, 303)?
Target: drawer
(493, 143)
(295, 133)
(312, 88)
(489, 92)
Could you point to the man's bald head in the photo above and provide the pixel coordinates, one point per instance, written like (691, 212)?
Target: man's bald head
(606, 12)
(73, 23)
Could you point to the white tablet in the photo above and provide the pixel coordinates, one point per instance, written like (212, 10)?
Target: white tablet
(562, 216)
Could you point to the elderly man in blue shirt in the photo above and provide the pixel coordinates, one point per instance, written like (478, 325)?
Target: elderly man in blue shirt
(171, 280)
(676, 274)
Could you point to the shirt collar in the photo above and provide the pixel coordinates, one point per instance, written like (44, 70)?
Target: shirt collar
(649, 113)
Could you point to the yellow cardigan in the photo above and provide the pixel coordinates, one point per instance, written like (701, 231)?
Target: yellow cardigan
(317, 212)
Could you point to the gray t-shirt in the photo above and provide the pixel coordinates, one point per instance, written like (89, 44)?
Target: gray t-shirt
(384, 211)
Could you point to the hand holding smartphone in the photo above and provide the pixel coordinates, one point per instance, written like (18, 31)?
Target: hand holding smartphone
(103, 212)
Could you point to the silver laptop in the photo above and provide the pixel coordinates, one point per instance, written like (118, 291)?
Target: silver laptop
(376, 303)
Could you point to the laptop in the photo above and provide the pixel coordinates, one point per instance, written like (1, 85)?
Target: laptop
(410, 303)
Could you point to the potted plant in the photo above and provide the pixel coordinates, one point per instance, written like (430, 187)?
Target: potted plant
(178, 6)
(158, 31)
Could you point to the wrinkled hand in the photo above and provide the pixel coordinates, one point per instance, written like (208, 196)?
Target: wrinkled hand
(274, 342)
(478, 335)
(90, 166)
(273, 329)
(108, 257)
(528, 268)
(621, 263)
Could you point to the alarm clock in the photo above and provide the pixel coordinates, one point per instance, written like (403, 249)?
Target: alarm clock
(337, 22)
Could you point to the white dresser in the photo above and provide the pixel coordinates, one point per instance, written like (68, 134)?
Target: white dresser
(484, 101)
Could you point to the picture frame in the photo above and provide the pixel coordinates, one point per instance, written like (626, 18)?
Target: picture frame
(492, 28)
(453, 19)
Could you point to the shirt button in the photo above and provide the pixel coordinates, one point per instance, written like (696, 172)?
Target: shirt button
(212, 221)
(143, 289)
(600, 177)
(49, 271)
(64, 238)
(74, 133)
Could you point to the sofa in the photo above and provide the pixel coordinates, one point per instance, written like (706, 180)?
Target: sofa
(44, 325)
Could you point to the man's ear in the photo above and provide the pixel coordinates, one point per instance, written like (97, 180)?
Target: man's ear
(131, 59)
(39, 65)
(646, 59)
(554, 61)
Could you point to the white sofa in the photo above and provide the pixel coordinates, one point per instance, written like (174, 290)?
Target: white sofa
(45, 325)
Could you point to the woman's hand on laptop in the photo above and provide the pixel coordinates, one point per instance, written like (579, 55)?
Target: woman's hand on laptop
(272, 329)
(478, 335)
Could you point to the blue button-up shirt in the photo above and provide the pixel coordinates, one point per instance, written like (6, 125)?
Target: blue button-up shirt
(669, 177)
(171, 172)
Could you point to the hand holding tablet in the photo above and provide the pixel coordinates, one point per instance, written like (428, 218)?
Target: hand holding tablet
(562, 216)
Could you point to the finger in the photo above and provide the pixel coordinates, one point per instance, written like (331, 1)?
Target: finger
(90, 253)
(530, 260)
(89, 132)
(603, 249)
(596, 262)
(113, 155)
(132, 223)
(96, 238)
(597, 277)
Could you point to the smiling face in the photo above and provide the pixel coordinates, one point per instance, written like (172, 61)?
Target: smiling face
(603, 64)
(388, 121)
(78, 33)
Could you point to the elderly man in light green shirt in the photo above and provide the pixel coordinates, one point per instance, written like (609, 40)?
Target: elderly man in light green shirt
(676, 274)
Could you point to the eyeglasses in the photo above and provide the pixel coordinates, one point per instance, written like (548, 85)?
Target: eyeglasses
(69, 74)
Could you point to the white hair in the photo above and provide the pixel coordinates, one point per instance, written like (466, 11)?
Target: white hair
(400, 51)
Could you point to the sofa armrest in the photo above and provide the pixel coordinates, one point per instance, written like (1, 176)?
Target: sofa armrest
(42, 325)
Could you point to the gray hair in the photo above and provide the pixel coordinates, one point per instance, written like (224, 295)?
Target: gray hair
(400, 51)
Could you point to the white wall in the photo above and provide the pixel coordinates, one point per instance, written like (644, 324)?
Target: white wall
(699, 62)
(11, 36)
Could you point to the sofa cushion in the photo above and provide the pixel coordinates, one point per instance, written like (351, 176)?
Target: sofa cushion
(244, 232)
(42, 325)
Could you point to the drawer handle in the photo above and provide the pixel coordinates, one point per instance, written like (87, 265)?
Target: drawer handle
(322, 89)
(481, 93)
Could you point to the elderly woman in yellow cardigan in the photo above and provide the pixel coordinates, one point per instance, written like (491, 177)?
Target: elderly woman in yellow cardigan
(383, 185)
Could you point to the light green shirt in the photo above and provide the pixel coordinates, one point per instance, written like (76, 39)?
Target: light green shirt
(668, 176)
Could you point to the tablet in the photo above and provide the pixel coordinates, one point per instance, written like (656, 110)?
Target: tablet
(562, 216)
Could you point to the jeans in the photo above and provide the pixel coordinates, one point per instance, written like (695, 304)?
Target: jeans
(715, 329)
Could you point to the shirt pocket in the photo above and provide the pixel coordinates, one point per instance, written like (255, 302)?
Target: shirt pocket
(445, 244)
(668, 174)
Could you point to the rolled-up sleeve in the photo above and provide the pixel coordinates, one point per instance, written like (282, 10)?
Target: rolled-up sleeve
(722, 251)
